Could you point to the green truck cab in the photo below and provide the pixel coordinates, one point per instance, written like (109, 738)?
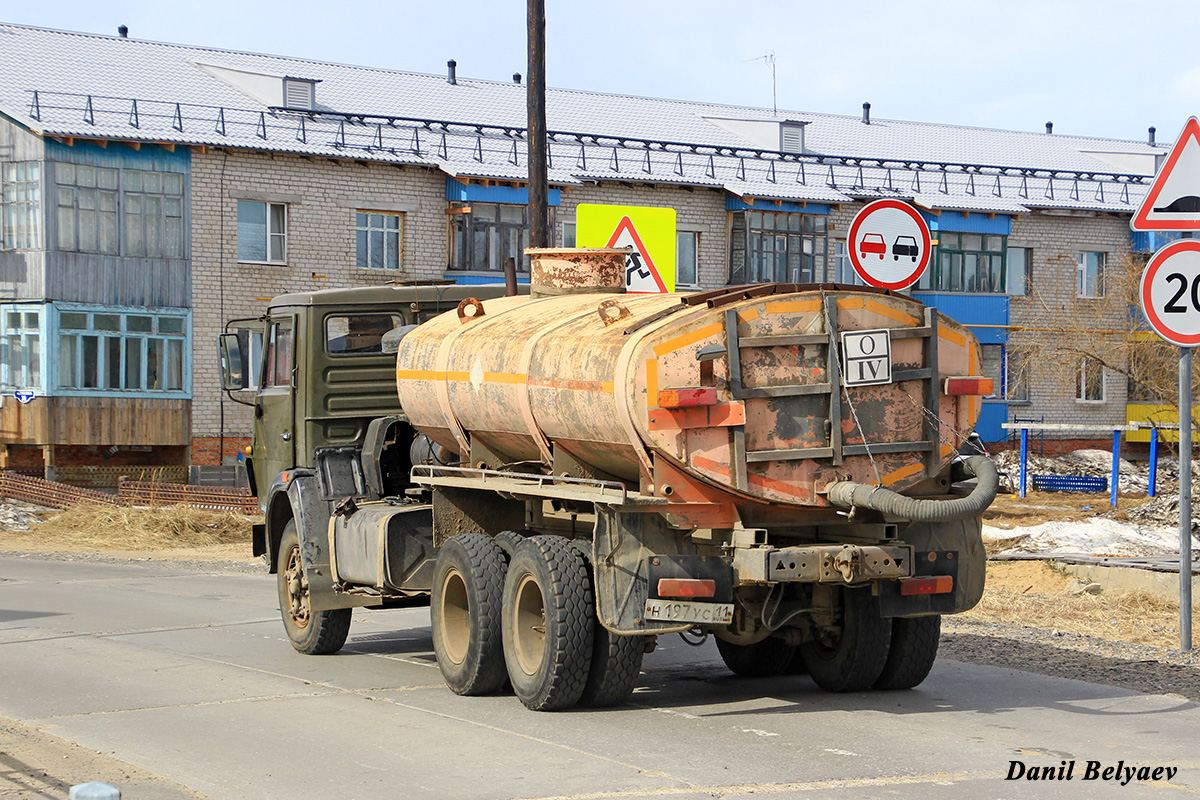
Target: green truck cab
(322, 378)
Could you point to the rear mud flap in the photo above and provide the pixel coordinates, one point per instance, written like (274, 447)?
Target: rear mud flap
(941, 548)
(622, 549)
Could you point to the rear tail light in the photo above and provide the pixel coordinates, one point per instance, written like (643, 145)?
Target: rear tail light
(687, 398)
(935, 584)
(981, 387)
(686, 587)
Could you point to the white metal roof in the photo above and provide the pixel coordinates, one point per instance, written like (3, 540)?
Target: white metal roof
(87, 86)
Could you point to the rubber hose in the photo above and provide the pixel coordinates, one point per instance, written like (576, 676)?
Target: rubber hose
(847, 494)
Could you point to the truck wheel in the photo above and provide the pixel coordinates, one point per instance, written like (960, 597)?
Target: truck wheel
(468, 580)
(314, 633)
(764, 659)
(547, 623)
(616, 664)
(913, 651)
(851, 659)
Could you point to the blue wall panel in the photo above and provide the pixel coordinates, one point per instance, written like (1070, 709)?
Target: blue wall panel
(474, 192)
(991, 418)
(968, 223)
(149, 157)
(972, 309)
(737, 204)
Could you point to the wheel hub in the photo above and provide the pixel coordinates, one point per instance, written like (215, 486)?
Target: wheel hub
(297, 588)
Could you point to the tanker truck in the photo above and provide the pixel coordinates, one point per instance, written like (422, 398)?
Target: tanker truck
(574, 473)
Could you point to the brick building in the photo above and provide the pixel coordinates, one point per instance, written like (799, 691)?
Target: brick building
(150, 200)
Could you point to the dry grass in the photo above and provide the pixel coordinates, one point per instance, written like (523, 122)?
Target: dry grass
(106, 528)
(1030, 593)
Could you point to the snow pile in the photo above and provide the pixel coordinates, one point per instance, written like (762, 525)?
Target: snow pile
(1097, 463)
(1097, 536)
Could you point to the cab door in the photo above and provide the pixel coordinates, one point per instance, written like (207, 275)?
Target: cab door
(275, 406)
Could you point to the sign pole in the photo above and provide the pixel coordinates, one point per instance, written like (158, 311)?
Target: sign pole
(1185, 499)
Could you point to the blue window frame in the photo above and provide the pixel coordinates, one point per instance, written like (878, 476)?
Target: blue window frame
(120, 351)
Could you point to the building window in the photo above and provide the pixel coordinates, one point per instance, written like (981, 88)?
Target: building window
(1016, 375)
(686, 271)
(87, 209)
(1091, 275)
(379, 236)
(21, 206)
(1019, 261)
(1089, 383)
(568, 234)
(22, 348)
(843, 267)
(992, 357)
(121, 351)
(966, 262)
(262, 232)
(153, 213)
(777, 247)
(486, 236)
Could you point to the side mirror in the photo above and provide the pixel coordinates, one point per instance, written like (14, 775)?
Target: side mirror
(233, 363)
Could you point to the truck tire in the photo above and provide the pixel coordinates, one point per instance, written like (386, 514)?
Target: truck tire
(547, 623)
(764, 659)
(314, 633)
(468, 584)
(912, 653)
(852, 660)
(616, 664)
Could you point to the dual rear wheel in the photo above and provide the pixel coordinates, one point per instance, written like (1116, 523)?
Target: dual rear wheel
(865, 651)
(529, 619)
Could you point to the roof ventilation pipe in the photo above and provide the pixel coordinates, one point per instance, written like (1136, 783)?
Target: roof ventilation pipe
(1049, 127)
(452, 72)
(123, 31)
(517, 77)
(1153, 131)
(866, 113)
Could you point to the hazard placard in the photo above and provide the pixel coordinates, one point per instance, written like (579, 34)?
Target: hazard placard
(650, 232)
(1173, 202)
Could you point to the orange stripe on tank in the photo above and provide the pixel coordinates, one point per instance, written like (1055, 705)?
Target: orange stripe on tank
(902, 473)
(759, 480)
(785, 306)
(504, 377)
(951, 336)
(679, 342)
(651, 381)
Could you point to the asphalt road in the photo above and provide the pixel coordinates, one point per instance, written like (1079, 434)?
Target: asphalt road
(187, 675)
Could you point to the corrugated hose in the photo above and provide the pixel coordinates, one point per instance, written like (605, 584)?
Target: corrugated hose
(847, 494)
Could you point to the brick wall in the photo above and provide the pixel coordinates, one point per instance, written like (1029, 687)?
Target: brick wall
(213, 451)
(1056, 240)
(322, 196)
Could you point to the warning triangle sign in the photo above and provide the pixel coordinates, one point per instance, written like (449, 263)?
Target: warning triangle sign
(1173, 203)
(640, 273)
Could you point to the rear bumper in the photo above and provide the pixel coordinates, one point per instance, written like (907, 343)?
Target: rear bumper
(828, 563)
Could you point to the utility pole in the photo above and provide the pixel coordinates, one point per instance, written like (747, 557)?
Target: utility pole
(535, 101)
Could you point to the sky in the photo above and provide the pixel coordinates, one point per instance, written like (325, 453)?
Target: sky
(1097, 68)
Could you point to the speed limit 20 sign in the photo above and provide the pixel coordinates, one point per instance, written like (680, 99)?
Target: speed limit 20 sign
(1170, 292)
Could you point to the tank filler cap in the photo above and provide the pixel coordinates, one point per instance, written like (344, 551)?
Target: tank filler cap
(469, 309)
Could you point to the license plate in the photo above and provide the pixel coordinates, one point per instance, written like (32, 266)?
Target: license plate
(684, 611)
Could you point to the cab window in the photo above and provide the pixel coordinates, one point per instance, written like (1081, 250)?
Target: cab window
(358, 334)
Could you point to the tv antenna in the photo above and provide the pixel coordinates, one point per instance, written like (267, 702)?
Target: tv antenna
(769, 57)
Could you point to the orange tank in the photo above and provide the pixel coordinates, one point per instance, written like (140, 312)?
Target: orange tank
(744, 391)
